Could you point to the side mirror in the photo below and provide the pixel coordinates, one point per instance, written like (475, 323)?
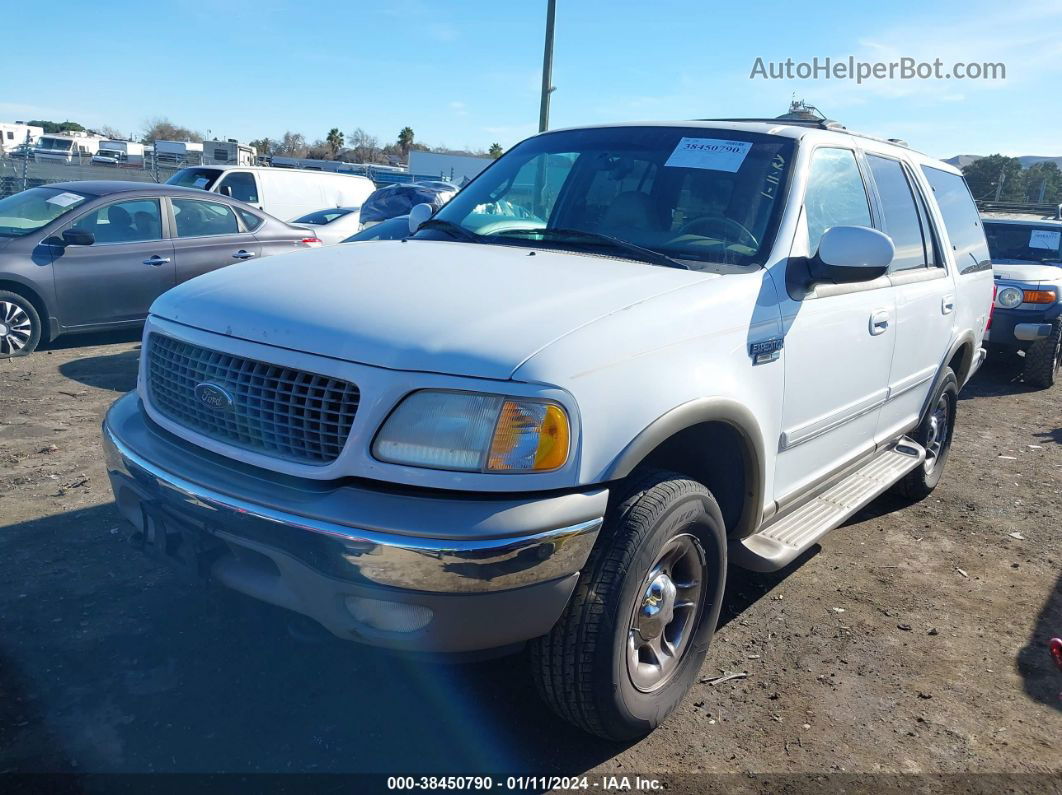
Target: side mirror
(78, 237)
(849, 254)
(418, 215)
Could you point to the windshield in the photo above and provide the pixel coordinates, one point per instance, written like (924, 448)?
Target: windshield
(33, 209)
(1024, 242)
(56, 144)
(202, 178)
(696, 195)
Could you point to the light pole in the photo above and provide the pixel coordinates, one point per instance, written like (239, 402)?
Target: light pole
(547, 67)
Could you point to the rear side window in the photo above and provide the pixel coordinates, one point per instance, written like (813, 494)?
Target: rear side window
(961, 219)
(835, 195)
(200, 219)
(241, 185)
(250, 220)
(902, 221)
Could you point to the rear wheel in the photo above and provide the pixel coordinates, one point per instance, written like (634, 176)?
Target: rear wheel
(934, 434)
(1043, 359)
(636, 631)
(20, 325)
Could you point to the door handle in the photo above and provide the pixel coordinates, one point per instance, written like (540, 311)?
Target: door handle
(243, 254)
(947, 304)
(879, 322)
(156, 260)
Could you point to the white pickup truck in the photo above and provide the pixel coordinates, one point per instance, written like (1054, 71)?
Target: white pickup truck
(620, 358)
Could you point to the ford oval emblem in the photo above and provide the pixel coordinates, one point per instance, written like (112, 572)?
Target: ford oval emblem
(213, 397)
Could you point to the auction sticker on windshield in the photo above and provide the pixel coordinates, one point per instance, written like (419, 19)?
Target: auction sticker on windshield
(1045, 238)
(65, 199)
(714, 154)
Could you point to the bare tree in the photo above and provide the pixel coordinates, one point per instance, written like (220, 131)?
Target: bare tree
(292, 144)
(162, 129)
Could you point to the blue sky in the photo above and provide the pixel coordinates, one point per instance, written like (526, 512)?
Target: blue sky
(465, 74)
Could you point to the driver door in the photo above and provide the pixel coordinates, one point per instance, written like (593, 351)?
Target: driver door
(839, 339)
(116, 279)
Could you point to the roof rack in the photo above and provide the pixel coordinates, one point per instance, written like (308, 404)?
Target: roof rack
(819, 124)
(1022, 208)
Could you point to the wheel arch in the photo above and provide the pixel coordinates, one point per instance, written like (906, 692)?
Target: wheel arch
(686, 439)
(19, 287)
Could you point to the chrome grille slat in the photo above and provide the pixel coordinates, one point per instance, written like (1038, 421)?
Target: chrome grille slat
(278, 411)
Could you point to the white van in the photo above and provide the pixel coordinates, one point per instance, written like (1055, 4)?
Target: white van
(281, 192)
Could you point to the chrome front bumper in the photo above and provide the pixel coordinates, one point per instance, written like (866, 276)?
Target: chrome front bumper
(308, 546)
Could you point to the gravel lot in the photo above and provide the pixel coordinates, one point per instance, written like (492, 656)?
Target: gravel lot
(913, 641)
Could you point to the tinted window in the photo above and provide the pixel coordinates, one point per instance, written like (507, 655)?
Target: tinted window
(835, 194)
(198, 218)
(901, 216)
(241, 185)
(124, 222)
(250, 220)
(961, 219)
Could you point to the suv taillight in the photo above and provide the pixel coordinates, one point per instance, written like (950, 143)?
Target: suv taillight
(992, 306)
(311, 242)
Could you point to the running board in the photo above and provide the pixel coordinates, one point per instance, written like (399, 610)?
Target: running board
(783, 540)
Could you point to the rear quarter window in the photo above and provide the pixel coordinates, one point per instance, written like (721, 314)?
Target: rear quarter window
(963, 223)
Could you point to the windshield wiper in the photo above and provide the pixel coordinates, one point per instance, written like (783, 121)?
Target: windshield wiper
(649, 255)
(454, 230)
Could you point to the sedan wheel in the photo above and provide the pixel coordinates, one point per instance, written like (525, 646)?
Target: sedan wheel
(19, 326)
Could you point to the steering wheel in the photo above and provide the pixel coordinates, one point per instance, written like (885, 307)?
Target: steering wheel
(721, 224)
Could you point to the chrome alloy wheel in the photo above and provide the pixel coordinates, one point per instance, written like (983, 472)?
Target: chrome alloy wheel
(16, 328)
(666, 614)
(937, 437)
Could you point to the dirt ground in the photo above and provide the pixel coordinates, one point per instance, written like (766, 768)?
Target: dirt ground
(913, 641)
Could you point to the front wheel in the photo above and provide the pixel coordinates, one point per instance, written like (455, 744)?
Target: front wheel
(20, 325)
(637, 629)
(1043, 359)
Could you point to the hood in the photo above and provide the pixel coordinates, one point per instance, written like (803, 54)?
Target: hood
(1026, 271)
(458, 308)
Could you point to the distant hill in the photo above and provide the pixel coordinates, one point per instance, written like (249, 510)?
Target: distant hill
(961, 161)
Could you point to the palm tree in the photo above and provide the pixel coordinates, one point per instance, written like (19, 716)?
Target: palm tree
(334, 141)
(495, 151)
(405, 140)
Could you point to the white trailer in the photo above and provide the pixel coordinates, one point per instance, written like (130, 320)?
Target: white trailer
(457, 169)
(229, 153)
(67, 147)
(178, 152)
(14, 134)
(119, 153)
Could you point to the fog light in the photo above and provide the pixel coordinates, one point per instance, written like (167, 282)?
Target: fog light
(389, 616)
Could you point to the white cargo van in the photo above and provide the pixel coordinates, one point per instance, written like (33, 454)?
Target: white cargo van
(281, 192)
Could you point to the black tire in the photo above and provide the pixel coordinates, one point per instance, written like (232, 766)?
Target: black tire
(920, 482)
(1043, 359)
(20, 326)
(581, 668)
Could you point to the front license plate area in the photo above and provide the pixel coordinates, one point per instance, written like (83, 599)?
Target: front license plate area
(190, 550)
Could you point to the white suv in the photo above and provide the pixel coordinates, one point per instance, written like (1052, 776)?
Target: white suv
(618, 359)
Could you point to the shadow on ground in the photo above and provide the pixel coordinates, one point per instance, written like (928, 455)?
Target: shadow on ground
(1040, 677)
(112, 371)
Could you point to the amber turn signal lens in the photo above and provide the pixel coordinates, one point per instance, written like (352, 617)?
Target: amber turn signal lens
(530, 437)
(1039, 296)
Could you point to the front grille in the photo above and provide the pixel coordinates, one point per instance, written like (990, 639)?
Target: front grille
(275, 410)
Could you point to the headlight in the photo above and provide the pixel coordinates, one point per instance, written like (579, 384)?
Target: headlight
(1010, 297)
(473, 432)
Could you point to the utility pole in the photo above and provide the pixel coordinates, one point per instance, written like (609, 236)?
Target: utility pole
(999, 184)
(547, 67)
